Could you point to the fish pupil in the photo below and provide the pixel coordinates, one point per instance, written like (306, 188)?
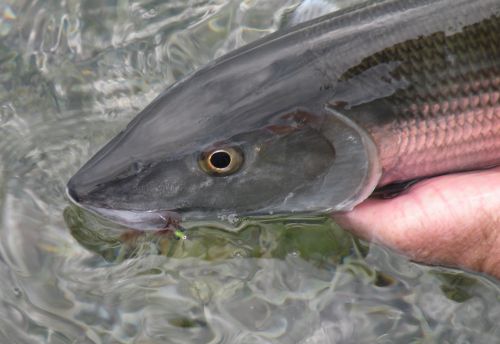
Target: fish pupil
(220, 159)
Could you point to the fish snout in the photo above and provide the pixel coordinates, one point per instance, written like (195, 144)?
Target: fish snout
(96, 202)
(80, 191)
(72, 193)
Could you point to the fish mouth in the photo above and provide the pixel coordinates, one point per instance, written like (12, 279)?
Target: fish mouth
(134, 219)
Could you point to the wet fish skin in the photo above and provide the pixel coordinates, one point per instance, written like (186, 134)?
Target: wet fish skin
(447, 118)
(385, 92)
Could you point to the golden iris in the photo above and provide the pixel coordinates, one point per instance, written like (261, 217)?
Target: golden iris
(221, 162)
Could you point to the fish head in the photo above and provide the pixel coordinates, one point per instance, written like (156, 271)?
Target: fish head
(234, 138)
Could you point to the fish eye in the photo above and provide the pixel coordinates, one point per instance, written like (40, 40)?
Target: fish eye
(221, 162)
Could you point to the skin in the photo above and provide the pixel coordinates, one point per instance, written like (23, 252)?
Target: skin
(451, 220)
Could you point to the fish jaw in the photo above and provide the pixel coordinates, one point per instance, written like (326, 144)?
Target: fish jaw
(140, 220)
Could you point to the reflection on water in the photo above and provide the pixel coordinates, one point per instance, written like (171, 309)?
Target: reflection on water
(72, 74)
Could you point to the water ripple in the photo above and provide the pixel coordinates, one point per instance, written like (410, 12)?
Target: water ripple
(72, 74)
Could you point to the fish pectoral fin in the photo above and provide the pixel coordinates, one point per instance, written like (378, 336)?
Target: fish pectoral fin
(394, 189)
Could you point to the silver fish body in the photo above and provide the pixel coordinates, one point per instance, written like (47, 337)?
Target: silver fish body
(322, 114)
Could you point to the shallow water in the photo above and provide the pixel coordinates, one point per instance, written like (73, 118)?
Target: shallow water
(72, 74)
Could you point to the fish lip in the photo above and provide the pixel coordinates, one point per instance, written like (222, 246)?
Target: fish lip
(70, 197)
(135, 219)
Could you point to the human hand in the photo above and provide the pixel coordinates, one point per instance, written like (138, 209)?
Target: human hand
(449, 220)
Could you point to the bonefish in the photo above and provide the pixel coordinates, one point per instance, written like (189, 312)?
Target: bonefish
(312, 118)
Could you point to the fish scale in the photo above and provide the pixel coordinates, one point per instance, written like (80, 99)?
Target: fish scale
(438, 138)
(453, 106)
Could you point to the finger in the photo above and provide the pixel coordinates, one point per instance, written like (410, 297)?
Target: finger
(451, 219)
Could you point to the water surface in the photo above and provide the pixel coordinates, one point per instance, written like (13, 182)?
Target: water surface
(72, 74)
